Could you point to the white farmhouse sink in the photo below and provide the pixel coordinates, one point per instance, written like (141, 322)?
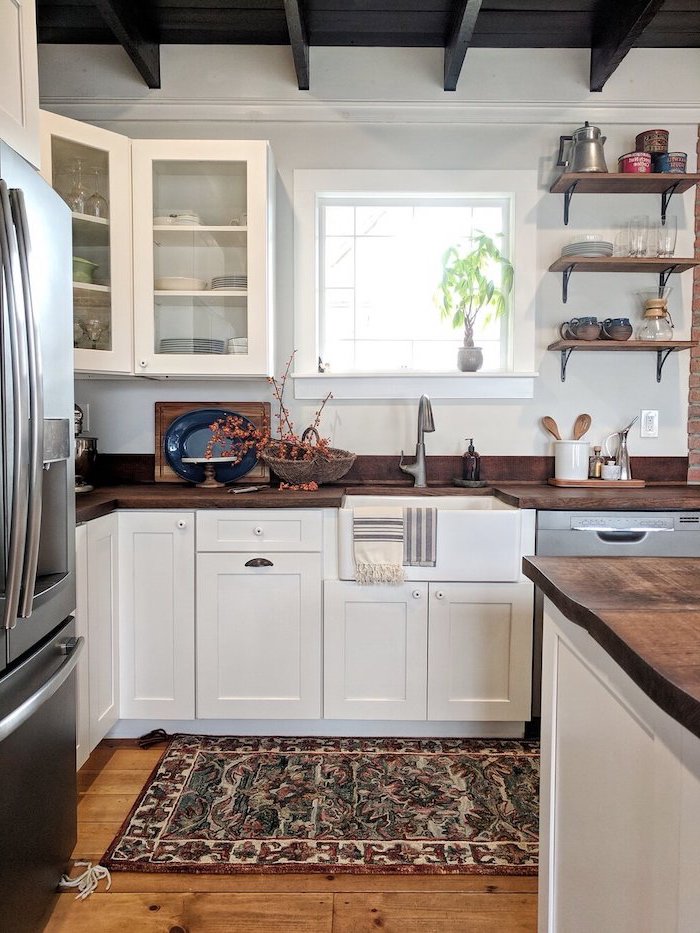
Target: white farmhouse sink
(479, 538)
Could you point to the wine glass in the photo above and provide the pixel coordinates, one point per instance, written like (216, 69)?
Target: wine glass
(96, 205)
(77, 197)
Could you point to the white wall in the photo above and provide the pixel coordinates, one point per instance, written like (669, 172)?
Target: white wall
(380, 108)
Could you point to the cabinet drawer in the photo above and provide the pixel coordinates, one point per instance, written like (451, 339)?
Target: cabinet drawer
(259, 530)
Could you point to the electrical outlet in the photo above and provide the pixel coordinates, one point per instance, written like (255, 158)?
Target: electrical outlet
(649, 424)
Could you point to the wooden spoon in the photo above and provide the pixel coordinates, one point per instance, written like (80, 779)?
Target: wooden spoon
(549, 424)
(581, 425)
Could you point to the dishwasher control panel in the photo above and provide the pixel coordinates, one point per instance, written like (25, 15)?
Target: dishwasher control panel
(605, 522)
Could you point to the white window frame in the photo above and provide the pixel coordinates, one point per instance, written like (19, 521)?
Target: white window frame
(515, 382)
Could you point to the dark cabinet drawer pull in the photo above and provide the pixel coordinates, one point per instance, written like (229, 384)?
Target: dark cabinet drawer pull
(258, 562)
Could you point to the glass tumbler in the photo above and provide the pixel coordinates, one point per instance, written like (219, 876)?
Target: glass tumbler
(666, 236)
(639, 235)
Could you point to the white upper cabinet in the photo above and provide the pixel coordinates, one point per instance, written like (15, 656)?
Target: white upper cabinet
(90, 169)
(19, 78)
(202, 257)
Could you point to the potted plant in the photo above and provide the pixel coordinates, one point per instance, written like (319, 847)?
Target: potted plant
(468, 286)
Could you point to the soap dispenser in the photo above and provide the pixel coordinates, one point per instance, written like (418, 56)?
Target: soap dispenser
(471, 463)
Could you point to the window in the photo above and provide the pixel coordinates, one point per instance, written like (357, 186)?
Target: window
(368, 247)
(379, 269)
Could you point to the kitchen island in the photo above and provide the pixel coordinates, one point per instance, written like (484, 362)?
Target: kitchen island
(620, 744)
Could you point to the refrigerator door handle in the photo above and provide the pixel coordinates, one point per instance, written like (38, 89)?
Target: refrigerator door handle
(26, 710)
(36, 410)
(19, 368)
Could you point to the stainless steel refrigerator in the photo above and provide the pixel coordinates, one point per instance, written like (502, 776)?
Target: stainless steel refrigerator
(38, 647)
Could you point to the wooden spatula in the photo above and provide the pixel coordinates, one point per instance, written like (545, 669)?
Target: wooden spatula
(581, 425)
(549, 424)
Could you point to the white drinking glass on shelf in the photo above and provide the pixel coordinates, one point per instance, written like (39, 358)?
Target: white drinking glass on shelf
(666, 236)
(621, 246)
(639, 235)
(96, 205)
(78, 194)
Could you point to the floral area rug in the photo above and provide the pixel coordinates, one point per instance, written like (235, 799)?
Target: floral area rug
(222, 805)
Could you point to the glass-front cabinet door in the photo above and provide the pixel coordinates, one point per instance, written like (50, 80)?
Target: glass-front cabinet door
(202, 257)
(90, 168)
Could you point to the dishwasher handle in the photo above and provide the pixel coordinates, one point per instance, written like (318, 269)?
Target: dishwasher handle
(618, 535)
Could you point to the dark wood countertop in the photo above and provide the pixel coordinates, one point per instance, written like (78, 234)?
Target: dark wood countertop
(521, 495)
(106, 499)
(653, 498)
(644, 612)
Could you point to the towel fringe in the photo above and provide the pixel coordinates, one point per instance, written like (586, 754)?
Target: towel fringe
(367, 573)
(88, 881)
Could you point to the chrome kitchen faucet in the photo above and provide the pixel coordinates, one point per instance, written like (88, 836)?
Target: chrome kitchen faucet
(425, 425)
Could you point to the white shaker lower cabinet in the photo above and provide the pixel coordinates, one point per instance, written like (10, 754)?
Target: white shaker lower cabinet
(375, 651)
(480, 651)
(103, 625)
(156, 557)
(82, 719)
(259, 635)
(438, 651)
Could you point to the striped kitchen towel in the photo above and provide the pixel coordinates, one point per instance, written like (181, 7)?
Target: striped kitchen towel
(378, 542)
(419, 537)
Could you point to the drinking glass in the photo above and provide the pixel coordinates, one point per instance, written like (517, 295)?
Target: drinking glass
(639, 235)
(666, 236)
(96, 205)
(78, 195)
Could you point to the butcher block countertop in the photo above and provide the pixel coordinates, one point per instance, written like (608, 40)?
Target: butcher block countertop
(106, 499)
(644, 612)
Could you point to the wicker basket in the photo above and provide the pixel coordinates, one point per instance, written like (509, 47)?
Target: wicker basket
(321, 469)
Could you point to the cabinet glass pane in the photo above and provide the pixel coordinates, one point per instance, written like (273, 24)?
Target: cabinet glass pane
(200, 257)
(81, 176)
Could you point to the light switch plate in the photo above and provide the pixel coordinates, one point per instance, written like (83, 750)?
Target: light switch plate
(649, 423)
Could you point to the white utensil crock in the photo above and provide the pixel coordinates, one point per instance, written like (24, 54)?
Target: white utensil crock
(571, 459)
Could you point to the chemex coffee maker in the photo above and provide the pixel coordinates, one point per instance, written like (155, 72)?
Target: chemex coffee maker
(85, 454)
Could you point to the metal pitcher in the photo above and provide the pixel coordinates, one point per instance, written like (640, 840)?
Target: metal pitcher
(585, 153)
(621, 453)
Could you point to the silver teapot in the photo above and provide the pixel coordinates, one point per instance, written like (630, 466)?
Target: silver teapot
(585, 150)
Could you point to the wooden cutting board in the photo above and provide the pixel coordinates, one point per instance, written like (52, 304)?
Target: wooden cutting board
(597, 483)
(167, 412)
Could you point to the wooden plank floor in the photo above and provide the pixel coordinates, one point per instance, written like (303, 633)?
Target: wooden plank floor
(294, 903)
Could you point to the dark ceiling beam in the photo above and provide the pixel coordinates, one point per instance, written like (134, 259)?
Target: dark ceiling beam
(459, 41)
(124, 20)
(617, 27)
(299, 41)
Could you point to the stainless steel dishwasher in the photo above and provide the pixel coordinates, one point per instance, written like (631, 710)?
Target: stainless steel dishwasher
(607, 534)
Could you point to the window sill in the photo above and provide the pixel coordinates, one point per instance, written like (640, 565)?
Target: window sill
(410, 385)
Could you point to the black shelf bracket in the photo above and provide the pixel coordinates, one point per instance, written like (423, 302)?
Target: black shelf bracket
(565, 276)
(565, 354)
(664, 277)
(665, 198)
(661, 357)
(568, 194)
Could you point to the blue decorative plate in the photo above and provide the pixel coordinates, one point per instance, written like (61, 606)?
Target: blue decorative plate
(189, 435)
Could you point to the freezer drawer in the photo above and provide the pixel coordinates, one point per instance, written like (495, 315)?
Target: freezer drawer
(38, 779)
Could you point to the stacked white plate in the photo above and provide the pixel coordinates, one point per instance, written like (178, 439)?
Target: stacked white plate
(181, 217)
(191, 345)
(588, 248)
(230, 281)
(237, 345)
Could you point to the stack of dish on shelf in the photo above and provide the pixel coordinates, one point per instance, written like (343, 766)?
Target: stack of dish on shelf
(180, 217)
(239, 280)
(191, 345)
(179, 283)
(589, 244)
(237, 345)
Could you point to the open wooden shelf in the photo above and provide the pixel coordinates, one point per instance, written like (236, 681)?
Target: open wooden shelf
(624, 183)
(664, 266)
(663, 349)
(664, 183)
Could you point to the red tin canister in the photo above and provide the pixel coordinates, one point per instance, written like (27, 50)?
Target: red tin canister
(677, 162)
(652, 141)
(635, 162)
